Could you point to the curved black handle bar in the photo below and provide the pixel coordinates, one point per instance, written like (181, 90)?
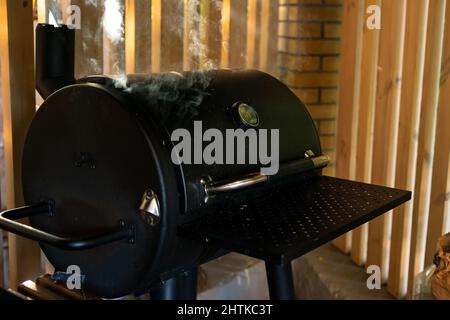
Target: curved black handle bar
(7, 222)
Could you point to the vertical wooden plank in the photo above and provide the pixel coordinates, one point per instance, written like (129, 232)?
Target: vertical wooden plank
(130, 36)
(143, 36)
(411, 96)
(210, 34)
(138, 36)
(89, 39)
(17, 60)
(421, 201)
(113, 47)
(349, 96)
(268, 52)
(41, 11)
(386, 124)
(253, 33)
(191, 39)
(156, 35)
(363, 165)
(441, 162)
(234, 31)
(167, 35)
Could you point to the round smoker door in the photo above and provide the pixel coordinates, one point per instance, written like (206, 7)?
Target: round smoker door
(90, 155)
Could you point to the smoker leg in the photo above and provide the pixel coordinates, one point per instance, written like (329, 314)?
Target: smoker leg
(167, 290)
(280, 281)
(188, 288)
(181, 287)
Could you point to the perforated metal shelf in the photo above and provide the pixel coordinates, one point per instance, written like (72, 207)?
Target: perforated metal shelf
(289, 222)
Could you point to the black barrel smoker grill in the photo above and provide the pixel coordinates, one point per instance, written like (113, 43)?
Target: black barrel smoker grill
(102, 192)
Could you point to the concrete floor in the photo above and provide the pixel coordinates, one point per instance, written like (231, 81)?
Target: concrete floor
(324, 273)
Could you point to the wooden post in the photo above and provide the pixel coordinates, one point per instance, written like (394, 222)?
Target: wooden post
(253, 33)
(440, 194)
(18, 93)
(234, 34)
(191, 36)
(411, 96)
(143, 44)
(167, 35)
(89, 39)
(268, 52)
(363, 163)
(428, 118)
(348, 99)
(210, 34)
(386, 124)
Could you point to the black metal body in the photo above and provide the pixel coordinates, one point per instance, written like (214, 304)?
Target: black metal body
(97, 145)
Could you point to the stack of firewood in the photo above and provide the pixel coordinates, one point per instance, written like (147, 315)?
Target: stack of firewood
(440, 281)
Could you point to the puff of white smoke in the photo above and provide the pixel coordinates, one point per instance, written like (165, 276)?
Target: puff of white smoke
(112, 21)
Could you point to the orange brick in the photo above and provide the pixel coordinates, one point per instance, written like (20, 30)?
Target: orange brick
(308, 95)
(283, 13)
(301, 63)
(331, 63)
(297, 29)
(322, 111)
(327, 127)
(319, 13)
(296, 79)
(329, 95)
(314, 46)
(284, 2)
(332, 30)
(282, 44)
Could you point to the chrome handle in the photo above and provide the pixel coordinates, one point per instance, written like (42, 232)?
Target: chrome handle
(212, 188)
(8, 223)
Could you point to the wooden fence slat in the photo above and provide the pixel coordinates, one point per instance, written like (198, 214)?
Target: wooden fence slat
(192, 37)
(386, 124)
(143, 37)
(18, 94)
(253, 33)
(268, 52)
(441, 164)
(363, 163)
(234, 34)
(413, 71)
(114, 59)
(138, 36)
(156, 35)
(89, 40)
(348, 110)
(130, 36)
(433, 57)
(210, 34)
(172, 30)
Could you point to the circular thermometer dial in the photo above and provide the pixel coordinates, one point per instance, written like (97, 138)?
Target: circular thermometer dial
(247, 115)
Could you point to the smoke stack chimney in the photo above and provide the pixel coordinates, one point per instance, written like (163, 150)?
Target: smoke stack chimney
(55, 50)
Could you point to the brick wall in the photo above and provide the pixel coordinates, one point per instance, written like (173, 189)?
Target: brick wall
(309, 46)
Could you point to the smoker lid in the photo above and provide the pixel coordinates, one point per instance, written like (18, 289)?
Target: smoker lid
(95, 159)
